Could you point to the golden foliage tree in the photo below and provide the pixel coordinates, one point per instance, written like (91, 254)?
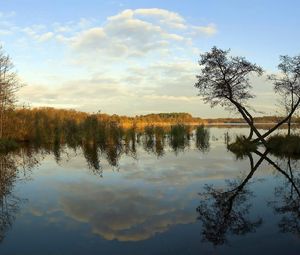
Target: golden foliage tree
(9, 85)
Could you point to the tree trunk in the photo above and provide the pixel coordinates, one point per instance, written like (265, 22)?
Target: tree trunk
(281, 122)
(248, 118)
(250, 134)
(289, 126)
(1, 123)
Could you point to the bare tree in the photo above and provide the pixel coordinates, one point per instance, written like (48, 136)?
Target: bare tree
(287, 85)
(9, 85)
(224, 80)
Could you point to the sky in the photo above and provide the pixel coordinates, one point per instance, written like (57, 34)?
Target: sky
(134, 57)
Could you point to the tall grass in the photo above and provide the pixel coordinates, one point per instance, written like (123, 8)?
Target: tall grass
(284, 146)
(180, 135)
(202, 138)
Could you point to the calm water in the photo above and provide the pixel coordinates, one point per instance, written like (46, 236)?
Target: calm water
(155, 200)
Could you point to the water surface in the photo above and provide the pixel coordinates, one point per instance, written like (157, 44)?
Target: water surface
(149, 199)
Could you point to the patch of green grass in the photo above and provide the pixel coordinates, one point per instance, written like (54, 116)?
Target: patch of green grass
(284, 146)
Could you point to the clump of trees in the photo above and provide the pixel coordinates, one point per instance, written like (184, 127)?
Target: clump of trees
(9, 85)
(225, 80)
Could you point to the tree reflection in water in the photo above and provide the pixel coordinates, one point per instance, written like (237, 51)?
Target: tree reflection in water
(91, 155)
(287, 198)
(13, 167)
(8, 202)
(225, 211)
(222, 211)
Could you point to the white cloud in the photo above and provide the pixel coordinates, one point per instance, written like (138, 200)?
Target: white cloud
(135, 33)
(160, 13)
(173, 98)
(6, 25)
(37, 32)
(89, 39)
(158, 87)
(123, 35)
(208, 30)
(145, 55)
(45, 37)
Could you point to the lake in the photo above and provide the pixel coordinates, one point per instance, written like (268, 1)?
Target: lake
(150, 198)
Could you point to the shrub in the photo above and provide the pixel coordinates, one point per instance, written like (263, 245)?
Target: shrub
(284, 146)
(241, 146)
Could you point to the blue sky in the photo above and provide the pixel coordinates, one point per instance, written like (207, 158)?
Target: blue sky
(136, 57)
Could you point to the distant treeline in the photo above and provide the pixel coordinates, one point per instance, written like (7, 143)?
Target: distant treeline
(263, 119)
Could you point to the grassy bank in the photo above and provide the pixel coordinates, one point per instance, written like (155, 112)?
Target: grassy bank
(284, 146)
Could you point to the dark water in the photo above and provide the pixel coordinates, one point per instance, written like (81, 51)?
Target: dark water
(155, 199)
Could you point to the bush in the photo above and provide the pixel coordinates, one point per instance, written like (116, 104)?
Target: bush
(284, 146)
(242, 146)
